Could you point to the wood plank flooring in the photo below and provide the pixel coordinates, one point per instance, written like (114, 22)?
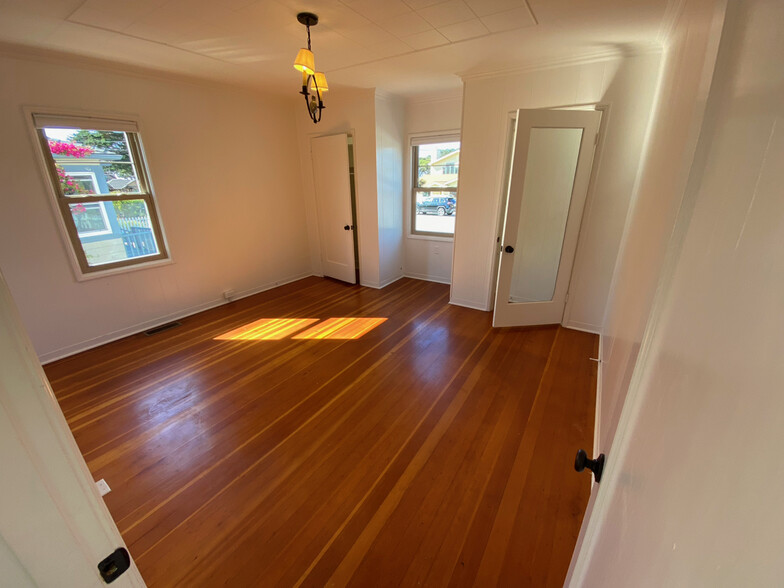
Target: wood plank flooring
(432, 451)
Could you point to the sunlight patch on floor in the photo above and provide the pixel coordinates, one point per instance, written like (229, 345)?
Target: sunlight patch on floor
(341, 328)
(267, 329)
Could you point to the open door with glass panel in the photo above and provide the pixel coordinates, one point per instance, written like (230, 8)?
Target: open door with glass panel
(551, 169)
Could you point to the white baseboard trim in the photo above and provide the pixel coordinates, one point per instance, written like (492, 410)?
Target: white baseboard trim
(585, 327)
(75, 348)
(391, 281)
(468, 304)
(428, 278)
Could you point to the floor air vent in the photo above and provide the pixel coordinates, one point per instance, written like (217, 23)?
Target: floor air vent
(162, 328)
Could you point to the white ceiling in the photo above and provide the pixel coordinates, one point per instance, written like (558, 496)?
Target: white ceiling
(407, 47)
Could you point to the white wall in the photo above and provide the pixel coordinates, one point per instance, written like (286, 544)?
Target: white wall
(390, 148)
(627, 84)
(427, 258)
(684, 86)
(695, 484)
(347, 111)
(226, 172)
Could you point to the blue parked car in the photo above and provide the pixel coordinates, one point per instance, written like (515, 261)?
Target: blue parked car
(440, 205)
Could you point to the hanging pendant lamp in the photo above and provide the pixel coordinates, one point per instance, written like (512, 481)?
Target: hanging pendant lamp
(314, 83)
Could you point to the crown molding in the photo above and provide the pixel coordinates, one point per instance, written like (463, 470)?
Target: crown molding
(385, 95)
(55, 57)
(584, 59)
(437, 97)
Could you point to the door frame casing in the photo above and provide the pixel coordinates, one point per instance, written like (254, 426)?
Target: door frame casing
(605, 108)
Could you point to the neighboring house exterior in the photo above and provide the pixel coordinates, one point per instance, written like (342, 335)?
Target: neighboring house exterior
(443, 171)
(105, 236)
(124, 184)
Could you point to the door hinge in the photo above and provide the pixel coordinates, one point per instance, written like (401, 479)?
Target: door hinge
(567, 298)
(596, 139)
(114, 565)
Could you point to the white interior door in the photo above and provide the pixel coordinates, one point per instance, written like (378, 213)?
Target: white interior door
(54, 526)
(551, 168)
(333, 199)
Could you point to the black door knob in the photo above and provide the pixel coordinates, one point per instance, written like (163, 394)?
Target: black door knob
(347, 228)
(581, 462)
(509, 249)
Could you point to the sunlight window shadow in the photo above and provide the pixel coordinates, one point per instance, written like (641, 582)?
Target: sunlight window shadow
(267, 329)
(341, 328)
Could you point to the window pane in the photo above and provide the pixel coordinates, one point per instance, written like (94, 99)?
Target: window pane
(438, 165)
(90, 218)
(114, 231)
(92, 162)
(435, 212)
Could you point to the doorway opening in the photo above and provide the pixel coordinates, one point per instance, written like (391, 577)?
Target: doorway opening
(334, 181)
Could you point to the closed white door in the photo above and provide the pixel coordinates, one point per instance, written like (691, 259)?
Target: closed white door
(333, 200)
(553, 152)
(54, 526)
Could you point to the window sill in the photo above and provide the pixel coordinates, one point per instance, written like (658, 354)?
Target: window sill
(82, 277)
(416, 237)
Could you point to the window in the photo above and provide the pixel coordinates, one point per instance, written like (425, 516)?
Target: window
(435, 166)
(102, 191)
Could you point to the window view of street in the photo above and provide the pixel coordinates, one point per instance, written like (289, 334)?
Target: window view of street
(434, 197)
(435, 212)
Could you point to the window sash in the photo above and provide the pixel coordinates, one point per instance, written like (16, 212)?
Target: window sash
(416, 143)
(63, 201)
(452, 190)
(41, 121)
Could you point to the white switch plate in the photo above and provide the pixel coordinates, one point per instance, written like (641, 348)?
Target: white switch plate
(103, 487)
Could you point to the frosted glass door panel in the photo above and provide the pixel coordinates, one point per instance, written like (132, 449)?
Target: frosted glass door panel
(544, 209)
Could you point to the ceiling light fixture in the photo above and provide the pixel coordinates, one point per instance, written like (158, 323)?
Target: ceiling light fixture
(311, 79)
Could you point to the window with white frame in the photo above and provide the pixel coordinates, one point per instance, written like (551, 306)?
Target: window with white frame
(101, 188)
(435, 164)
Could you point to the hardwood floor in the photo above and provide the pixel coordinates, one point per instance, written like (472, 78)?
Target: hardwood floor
(432, 451)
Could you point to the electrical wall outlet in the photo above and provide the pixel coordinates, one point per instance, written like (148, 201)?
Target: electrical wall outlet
(103, 487)
(228, 295)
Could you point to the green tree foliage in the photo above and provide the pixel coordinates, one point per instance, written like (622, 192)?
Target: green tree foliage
(108, 142)
(111, 141)
(130, 208)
